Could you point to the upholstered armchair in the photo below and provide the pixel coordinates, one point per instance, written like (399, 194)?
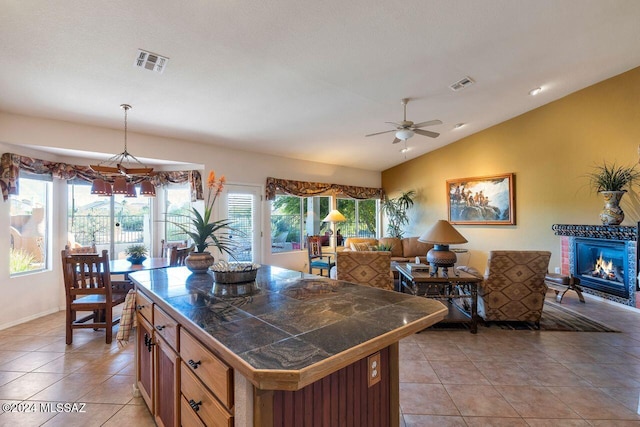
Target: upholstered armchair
(371, 268)
(513, 286)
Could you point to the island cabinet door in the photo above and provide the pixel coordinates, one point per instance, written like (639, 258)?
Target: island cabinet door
(167, 382)
(144, 371)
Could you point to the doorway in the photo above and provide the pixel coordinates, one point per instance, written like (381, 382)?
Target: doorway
(242, 207)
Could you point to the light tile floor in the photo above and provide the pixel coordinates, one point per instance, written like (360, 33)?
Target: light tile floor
(525, 378)
(448, 378)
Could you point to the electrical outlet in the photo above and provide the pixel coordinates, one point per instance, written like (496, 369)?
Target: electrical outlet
(373, 362)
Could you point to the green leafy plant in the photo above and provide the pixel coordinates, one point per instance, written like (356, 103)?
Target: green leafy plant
(613, 177)
(396, 212)
(202, 230)
(20, 260)
(384, 247)
(137, 251)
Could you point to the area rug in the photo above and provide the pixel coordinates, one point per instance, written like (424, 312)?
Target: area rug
(555, 317)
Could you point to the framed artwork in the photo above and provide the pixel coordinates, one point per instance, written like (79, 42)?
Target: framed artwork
(481, 200)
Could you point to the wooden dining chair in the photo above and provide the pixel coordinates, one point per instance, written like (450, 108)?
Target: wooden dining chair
(178, 255)
(316, 258)
(165, 251)
(89, 288)
(75, 250)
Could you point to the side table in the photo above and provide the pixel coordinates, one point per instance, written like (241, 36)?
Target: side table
(444, 288)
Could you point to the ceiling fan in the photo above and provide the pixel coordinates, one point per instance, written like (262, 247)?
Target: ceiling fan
(406, 128)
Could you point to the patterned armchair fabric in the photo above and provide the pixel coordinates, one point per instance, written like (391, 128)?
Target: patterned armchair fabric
(513, 287)
(366, 268)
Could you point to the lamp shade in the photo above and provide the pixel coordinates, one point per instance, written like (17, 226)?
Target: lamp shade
(442, 233)
(120, 185)
(147, 189)
(334, 216)
(131, 190)
(108, 190)
(97, 186)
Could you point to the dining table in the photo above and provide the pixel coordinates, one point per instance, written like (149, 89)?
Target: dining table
(122, 266)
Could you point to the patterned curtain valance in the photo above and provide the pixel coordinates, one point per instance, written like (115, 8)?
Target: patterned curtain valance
(11, 164)
(305, 189)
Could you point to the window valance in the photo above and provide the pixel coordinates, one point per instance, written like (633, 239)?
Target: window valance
(11, 164)
(305, 189)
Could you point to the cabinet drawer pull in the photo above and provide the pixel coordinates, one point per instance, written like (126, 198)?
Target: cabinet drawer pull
(193, 364)
(195, 405)
(139, 307)
(160, 327)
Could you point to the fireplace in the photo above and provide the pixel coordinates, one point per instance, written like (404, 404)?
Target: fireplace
(602, 265)
(603, 258)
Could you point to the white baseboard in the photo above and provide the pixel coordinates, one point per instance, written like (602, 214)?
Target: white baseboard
(28, 318)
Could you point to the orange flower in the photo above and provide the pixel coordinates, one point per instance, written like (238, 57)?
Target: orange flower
(221, 183)
(211, 180)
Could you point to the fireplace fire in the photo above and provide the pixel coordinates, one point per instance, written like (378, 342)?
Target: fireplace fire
(605, 270)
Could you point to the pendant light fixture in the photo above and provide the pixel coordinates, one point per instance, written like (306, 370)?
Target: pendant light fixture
(124, 167)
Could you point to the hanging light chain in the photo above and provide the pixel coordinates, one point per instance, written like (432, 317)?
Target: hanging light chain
(126, 108)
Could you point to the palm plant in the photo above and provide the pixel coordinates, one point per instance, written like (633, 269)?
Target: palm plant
(202, 230)
(396, 212)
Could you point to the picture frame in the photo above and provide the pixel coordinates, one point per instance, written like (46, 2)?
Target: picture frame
(485, 200)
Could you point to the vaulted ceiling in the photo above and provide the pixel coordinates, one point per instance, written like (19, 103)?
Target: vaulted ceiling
(308, 79)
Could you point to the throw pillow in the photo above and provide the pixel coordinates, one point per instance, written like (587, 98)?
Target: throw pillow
(359, 247)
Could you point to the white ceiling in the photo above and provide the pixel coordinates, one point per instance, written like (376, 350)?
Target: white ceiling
(308, 79)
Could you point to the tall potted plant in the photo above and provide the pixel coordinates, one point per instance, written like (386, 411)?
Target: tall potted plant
(612, 181)
(206, 233)
(396, 212)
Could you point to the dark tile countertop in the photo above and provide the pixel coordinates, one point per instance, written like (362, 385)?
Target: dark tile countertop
(286, 320)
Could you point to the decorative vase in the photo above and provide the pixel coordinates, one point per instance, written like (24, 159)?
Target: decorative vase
(612, 214)
(199, 262)
(136, 260)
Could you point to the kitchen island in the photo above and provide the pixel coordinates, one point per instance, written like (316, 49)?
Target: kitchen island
(287, 349)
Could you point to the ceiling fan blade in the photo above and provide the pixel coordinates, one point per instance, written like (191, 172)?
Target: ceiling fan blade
(398, 125)
(426, 133)
(378, 133)
(396, 140)
(429, 123)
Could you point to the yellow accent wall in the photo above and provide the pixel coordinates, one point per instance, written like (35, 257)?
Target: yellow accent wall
(549, 150)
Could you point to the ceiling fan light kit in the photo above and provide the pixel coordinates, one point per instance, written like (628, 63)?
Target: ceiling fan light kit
(407, 129)
(404, 134)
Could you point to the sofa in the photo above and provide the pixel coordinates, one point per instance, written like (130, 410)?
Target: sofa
(402, 250)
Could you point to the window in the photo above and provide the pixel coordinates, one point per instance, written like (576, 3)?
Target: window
(177, 211)
(111, 223)
(30, 225)
(293, 218)
(362, 218)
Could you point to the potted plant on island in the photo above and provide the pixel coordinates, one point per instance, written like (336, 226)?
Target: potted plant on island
(206, 233)
(137, 253)
(612, 181)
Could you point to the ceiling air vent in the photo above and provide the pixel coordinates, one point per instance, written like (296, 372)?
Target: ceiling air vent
(151, 61)
(461, 84)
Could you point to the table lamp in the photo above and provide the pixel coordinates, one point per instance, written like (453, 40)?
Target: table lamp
(333, 217)
(441, 235)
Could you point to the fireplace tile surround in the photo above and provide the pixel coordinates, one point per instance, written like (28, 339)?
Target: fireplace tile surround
(623, 238)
